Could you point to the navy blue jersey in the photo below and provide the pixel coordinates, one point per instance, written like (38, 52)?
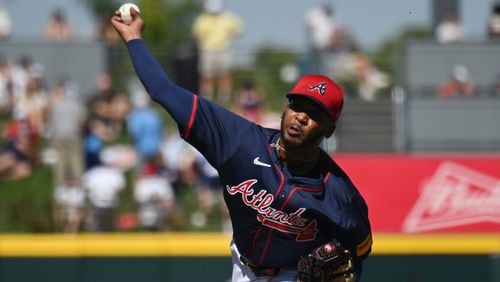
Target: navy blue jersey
(276, 216)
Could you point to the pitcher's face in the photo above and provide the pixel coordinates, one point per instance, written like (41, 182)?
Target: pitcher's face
(304, 123)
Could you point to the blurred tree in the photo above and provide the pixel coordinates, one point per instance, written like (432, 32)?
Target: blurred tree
(268, 65)
(168, 21)
(168, 25)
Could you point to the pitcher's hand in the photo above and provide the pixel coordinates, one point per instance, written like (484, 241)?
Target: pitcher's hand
(129, 31)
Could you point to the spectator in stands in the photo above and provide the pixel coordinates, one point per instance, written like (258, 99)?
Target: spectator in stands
(21, 72)
(103, 184)
(93, 143)
(494, 22)
(155, 196)
(5, 86)
(120, 107)
(58, 28)
(18, 154)
(459, 84)
(369, 78)
(496, 86)
(33, 105)
(69, 205)
(32, 110)
(5, 24)
(145, 127)
(450, 29)
(250, 103)
(215, 30)
(330, 40)
(209, 194)
(106, 107)
(66, 120)
(178, 158)
(321, 27)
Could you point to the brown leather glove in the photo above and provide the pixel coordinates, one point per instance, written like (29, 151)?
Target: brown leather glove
(327, 263)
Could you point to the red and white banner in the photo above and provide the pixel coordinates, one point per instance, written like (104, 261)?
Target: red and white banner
(428, 193)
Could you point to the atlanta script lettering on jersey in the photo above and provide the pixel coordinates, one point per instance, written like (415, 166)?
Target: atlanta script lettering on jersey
(271, 217)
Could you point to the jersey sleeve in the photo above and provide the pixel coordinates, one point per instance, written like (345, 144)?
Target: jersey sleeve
(353, 217)
(361, 234)
(176, 100)
(213, 130)
(217, 132)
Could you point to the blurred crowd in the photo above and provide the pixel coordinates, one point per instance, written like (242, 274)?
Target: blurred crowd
(100, 146)
(333, 52)
(460, 82)
(105, 146)
(109, 144)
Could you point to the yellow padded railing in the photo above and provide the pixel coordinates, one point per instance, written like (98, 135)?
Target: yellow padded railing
(217, 244)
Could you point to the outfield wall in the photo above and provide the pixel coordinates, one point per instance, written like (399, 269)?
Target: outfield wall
(435, 217)
(206, 257)
(428, 193)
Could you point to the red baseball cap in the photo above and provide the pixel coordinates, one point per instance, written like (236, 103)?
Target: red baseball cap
(323, 91)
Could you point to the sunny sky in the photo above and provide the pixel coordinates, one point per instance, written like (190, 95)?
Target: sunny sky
(277, 21)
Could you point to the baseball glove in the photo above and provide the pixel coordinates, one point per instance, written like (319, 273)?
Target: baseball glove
(327, 263)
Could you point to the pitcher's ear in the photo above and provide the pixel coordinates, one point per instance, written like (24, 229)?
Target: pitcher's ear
(329, 132)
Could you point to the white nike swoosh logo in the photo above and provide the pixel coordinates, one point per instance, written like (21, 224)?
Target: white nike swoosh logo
(256, 161)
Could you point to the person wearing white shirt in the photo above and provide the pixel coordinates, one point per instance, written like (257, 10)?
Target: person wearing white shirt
(69, 204)
(449, 30)
(103, 184)
(155, 197)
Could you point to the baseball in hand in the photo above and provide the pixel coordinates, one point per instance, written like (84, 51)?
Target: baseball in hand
(125, 12)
